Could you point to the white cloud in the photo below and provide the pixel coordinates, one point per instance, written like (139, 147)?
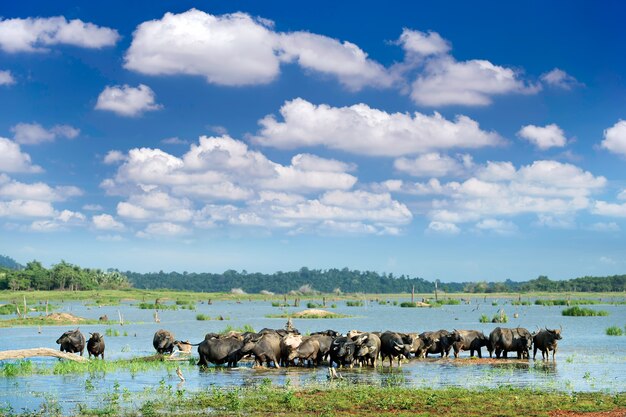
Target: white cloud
(36, 34)
(237, 49)
(500, 227)
(12, 159)
(37, 191)
(622, 195)
(444, 228)
(61, 221)
(174, 141)
(430, 165)
(127, 101)
(113, 157)
(106, 222)
(26, 208)
(363, 130)
(603, 208)
(552, 190)
(309, 195)
(163, 229)
(93, 207)
(34, 133)
(344, 60)
(545, 137)
(615, 138)
(558, 78)
(445, 81)
(422, 43)
(6, 78)
(604, 227)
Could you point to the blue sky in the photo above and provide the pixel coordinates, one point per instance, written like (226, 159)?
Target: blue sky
(448, 141)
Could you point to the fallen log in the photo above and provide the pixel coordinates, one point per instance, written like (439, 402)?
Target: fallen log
(29, 353)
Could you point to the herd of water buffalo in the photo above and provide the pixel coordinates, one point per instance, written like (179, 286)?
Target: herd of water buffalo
(288, 347)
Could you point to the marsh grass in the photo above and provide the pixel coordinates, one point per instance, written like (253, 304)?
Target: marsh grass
(152, 306)
(203, 317)
(583, 312)
(42, 321)
(614, 331)
(563, 302)
(357, 303)
(343, 399)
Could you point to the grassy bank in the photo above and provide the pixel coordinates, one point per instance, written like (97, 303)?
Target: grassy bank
(349, 400)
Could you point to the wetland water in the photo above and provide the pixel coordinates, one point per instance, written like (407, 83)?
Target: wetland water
(587, 359)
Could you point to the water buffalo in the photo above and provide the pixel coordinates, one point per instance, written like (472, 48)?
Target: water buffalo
(72, 341)
(394, 345)
(308, 350)
(325, 345)
(420, 344)
(264, 348)
(503, 340)
(95, 345)
(471, 340)
(367, 348)
(220, 350)
(342, 352)
(163, 341)
(546, 340)
(442, 342)
(329, 332)
(288, 345)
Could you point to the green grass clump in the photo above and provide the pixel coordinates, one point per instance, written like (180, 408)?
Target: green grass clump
(152, 306)
(614, 331)
(583, 312)
(313, 305)
(357, 303)
(484, 319)
(520, 303)
(7, 309)
(563, 302)
(444, 302)
(111, 332)
(202, 317)
(408, 304)
(243, 329)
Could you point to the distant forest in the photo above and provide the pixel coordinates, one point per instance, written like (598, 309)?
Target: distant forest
(65, 276)
(351, 281)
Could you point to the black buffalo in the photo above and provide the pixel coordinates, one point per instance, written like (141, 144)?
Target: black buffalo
(72, 341)
(503, 340)
(442, 341)
(367, 348)
(471, 340)
(265, 348)
(163, 341)
(546, 340)
(220, 350)
(342, 352)
(395, 345)
(95, 345)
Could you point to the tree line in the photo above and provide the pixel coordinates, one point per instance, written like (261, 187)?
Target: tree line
(65, 276)
(62, 276)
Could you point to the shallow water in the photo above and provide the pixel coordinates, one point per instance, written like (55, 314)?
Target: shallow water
(587, 359)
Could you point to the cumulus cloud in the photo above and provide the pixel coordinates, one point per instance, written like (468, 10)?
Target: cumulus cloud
(604, 208)
(444, 228)
(615, 138)
(237, 49)
(106, 222)
(113, 157)
(558, 78)
(500, 227)
(61, 221)
(604, 227)
(445, 81)
(127, 101)
(12, 159)
(6, 78)
(163, 229)
(39, 191)
(422, 43)
(325, 55)
(221, 181)
(34, 133)
(36, 34)
(364, 130)
(552, 190)
(26, 208)
(546, 137)
(433, 165)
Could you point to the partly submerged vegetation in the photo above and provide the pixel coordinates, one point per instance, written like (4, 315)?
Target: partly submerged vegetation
(615, 331)
(341, 398)
(583, 312)
(309, 314)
